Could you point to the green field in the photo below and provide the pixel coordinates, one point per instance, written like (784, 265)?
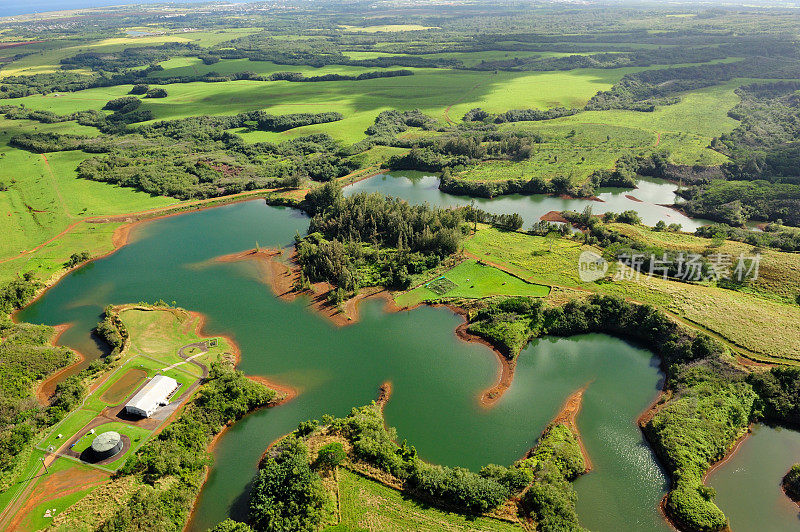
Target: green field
(367, 505)
(45, 196)
(159, 335)
(48, 54)
(534, 258)
(768, 327)
(444, 94)
(471, 279)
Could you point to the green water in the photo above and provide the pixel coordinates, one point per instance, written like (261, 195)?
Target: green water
(417, 187)
(749, 485)
(437, 377)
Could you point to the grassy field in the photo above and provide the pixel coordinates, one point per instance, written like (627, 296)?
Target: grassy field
(471, 279)
(192, 66)
(768, 327)
(388, 28)
(45, 196)
(159, 334)
(444, 94)
(47, 55)
(533, 258)
(367, 505)
(580, 144)
(778, 273)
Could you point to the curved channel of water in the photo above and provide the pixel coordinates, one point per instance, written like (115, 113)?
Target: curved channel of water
(437, 377)
(749, 484)
(653, 194)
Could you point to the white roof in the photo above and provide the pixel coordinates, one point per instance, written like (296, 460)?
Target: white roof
(154, 392)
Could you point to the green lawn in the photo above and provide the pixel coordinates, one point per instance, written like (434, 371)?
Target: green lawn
(368, 505)
(68, 427)
(137, 437)
(531, 257)
(470, 279)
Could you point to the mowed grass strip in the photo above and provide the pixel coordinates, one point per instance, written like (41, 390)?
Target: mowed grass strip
(472, 280)
(368, 505)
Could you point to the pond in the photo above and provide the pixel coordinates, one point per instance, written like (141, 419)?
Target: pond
(648, 199)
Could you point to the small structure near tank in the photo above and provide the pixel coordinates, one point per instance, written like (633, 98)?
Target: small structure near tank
(106, 445)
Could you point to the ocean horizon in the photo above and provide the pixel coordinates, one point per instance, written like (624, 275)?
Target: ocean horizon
(18, 7)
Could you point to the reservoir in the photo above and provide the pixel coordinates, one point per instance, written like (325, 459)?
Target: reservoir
(437, 378)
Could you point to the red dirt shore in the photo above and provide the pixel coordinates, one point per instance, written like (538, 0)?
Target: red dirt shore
(568, 416)
(553, 216)
(46, 388)
(505, 370)
(280, 276)
(663, 398)
(57, 485)
(633, 198)
(384, 394)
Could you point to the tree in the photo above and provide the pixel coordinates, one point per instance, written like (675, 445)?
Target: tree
(229, 525)
(77, 258)
(551, 237)
(157, 93)
(141, 88)
(287, 495)
(331, 455)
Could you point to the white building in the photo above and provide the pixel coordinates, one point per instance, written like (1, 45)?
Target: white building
(154, 394)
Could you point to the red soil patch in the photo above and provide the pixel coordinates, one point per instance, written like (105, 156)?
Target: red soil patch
(554, 216)
(633, 198)
(505, 368)
(281, 278)
(225, 169)
(57, 485)
(384, 394)
(124, 386)
(5, 45)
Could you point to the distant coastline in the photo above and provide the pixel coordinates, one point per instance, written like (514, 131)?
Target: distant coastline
(19, 7)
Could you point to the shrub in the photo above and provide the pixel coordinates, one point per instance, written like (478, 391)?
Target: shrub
(157, 92)
(331, 455)
(139, 89)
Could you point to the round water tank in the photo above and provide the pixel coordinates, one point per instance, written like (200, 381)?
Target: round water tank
(106, 445)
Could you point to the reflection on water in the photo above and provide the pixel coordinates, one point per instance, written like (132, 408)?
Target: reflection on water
(749, 484)
(653, 194)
